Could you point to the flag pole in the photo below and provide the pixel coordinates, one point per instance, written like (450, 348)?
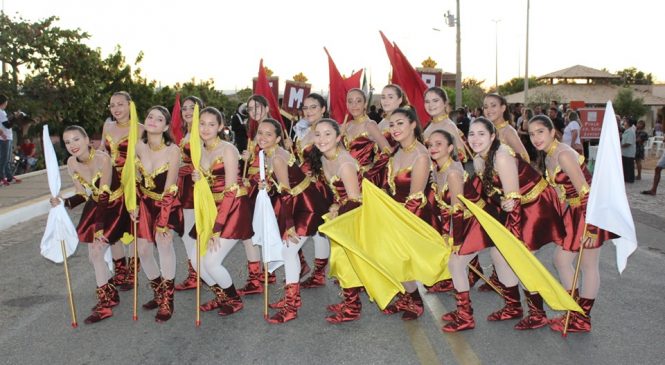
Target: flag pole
(72, 306)
(485, 279)
(135, 316)
(198, 282)
(265, 286)
(572, 289)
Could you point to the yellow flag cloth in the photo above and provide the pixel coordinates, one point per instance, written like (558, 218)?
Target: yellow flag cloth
(128, 177)
(384, 244)
(205, 210)
(533, 275)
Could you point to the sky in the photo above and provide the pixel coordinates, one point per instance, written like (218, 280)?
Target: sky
(224, 40)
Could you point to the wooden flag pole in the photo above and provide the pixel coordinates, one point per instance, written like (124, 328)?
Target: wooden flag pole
(265, 286)
(135, 315)
(72, 306)
(485, 279)
(198, 282)
(572, 289)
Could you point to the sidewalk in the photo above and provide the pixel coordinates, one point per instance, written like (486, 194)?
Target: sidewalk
(29, 199)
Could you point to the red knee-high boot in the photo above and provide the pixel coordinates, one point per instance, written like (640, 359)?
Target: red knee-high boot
(512, 308)
(537, 317)
(304, 267)
(103, 308)
(463, 318)
(289, 311)
(350, 308)
(154, 302)
(165, 311)
(577, 322)
(190, 281)
(318, 278)
(254, 284)
(231, 303)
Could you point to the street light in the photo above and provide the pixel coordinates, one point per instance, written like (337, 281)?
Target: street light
(454, 21)
(496, 54)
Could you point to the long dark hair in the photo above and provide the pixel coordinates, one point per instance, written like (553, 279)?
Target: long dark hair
(546, 122)
(449, 138)
(313, 158)
(196, 101)
(488, 172)
(410, 114)
(319, 100)
(166, 135)
(278, 130)
(502, 101)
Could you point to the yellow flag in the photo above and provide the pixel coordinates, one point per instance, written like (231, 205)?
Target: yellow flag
(382, 244)
(128, 177)
(205, 210)
(533, 275)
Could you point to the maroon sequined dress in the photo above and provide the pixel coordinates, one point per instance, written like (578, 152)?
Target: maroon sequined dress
(398, 184)
(538, 219)
(185, 183)
(159, 207)
(117, 150)
(318, 179)
(299, 205)
(234, 215)
(103, 211)
(574, 209)
(340, 196)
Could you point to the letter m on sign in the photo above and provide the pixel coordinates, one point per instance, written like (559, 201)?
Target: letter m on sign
(296, 97)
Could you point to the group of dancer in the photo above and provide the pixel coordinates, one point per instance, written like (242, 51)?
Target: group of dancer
(320, 174)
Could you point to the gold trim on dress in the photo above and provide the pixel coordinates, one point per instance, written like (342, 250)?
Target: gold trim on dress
(532, 194)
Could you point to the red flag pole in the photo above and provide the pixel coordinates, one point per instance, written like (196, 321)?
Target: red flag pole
(72, 306)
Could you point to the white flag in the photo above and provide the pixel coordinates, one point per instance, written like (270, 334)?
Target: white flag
(58, 226)
(608, 204)
(264, 223)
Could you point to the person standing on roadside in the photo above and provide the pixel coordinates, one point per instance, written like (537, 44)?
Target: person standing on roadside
(6, 144)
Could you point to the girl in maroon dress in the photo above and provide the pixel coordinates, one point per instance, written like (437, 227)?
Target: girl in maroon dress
(436, 105)
(464, 231)
(186, 190)
(219, 166)
(566, 172)
(344, 178)
(532, 212)
(314, 108)
(363, 139)
(159, 209)
(298, 207)
(406, 180)
(114, 142)
(392, 97)
(104, 218)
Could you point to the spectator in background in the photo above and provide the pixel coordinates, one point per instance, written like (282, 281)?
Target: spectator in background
(373, 114)
(641, 137)
(239, 126)
(462, 121)
(628, 150)
(538, 110)
(658, 127)
(6, 144)
(571, 133)
(557, 119)
(523, 132)
(656, 176)
(28, 151)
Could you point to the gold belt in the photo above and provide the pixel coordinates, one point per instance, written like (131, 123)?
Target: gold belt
(532, 194)
(467, 213)
(298, 189)
(151, 194)
(240, 191)
(252, 170)
(574, 202)
(113, 196)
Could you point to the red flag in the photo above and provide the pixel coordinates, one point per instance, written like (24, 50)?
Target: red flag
(263, 88)
(339, 87)
(176, 120)
(408, 79)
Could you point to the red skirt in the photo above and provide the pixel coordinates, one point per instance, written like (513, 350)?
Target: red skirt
(186, 187)
(149, 211)
(541, 220)
(116, 221)
(574, 220)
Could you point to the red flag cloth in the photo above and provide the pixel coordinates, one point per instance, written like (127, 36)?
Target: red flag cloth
(176, 120)
(339, 87)
(408, 79)
(263, 88)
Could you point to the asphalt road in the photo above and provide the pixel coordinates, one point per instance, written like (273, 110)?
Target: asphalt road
(35, 323)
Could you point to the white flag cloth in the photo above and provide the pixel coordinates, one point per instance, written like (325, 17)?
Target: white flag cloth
(58, 226)
(608, 207)
(264, 223)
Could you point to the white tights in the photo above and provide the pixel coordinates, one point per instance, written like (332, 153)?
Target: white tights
(506, 275)
(212, 270)
(252, 252)
(166, 259)
(564, 261)
(321, 246)
(457, 265)
(96, 257)
(190, 243)
(291, 259)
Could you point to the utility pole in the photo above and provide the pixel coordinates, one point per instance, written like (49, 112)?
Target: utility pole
(526, 63)
(458, 75)
(496, 54)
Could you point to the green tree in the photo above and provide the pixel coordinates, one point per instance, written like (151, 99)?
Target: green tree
(516, 85)
(626, 104)
(633, 76)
